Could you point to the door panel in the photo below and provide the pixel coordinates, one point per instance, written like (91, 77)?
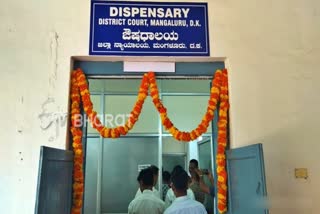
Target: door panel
(54, 191)
(205, 162)
(247, 186)
(91, 176)
(121, 158)
(169, 161)
(205, 155)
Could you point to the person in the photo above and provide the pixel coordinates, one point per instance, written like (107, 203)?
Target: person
(210, 190)
(183, 204)
(170, 197)
(165, 183)
(203, 185)
(155, 171)
(195, 181)
(146, 202)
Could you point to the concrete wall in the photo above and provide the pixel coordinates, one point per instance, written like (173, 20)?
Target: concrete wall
(273, 53)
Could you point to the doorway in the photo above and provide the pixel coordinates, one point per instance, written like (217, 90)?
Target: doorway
(111, 163)
(237, 159)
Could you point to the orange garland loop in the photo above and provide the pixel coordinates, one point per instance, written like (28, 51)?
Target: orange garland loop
(80, 92)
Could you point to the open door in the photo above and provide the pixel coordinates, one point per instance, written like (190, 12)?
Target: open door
(54, 191)
(205, 162)
(246, 180)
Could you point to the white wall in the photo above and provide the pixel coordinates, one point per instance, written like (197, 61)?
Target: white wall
(273, 50)
(273, 53)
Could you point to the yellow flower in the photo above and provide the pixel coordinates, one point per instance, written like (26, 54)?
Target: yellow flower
(76, 138)
(222, 156)
(220, 196)
(163, 116)
(221, 179)
(78, 152)
(220, 169)
(215, 90)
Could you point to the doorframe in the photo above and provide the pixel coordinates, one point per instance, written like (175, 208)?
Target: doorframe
(75, 61)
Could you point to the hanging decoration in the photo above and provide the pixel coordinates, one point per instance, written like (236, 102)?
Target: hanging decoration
(80, 97)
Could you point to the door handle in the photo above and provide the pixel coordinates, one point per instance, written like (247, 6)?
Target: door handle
(258, 187)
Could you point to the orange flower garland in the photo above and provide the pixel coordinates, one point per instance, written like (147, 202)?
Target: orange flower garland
(79, 88)
(77, 147)
(222, 143)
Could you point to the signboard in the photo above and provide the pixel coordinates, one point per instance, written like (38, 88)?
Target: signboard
(149, 29)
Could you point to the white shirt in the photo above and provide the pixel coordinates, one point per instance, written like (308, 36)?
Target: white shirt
(185, 205)
(154, 190)
(146, 203)
(170, 197)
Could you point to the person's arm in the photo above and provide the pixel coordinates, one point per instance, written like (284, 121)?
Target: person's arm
(210, 177)
(203, 187)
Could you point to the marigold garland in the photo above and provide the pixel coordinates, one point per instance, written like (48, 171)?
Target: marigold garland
(80, 92)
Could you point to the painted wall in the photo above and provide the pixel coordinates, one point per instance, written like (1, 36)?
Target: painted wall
(273, 53)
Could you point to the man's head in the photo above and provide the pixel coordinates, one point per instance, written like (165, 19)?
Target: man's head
(180, 183)
(176, 169)
(139, 176)
(193, 165)
(155, 171)
(145, 179)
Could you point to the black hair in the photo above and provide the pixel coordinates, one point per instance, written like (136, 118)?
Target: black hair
(166, 176)
(139, 176)
(195, 162)
(155, 169)
(180, 180)
(146, 177)
(176, 169)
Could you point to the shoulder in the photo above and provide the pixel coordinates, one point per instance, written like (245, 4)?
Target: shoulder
(170, 192)
(132, 204)
(154, 197)
(150, 197)
(190, 193)
(160, 203)
(169, 198)
(198, 205)
(156, 192)
(138, 191)
(170, 195)
(169, 210)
